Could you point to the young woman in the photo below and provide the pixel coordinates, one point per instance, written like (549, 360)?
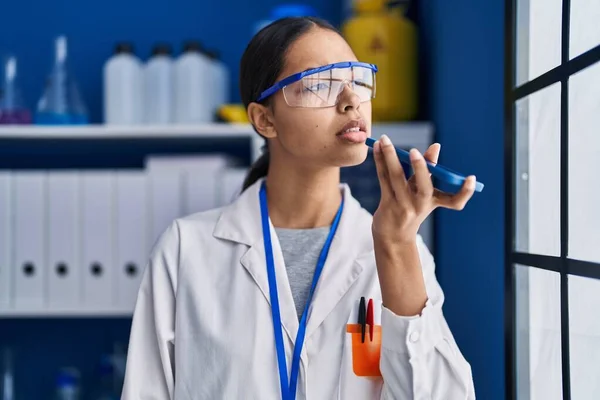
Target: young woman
(293, 290)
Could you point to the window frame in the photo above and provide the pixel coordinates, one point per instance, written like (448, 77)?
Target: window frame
(562, 264)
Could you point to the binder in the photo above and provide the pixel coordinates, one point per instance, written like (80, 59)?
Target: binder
(6, 275)
(201, 178)
(132, 233)
(232, 180)
(203, 184)
(64, 241)
(97, 247)
(166, 201)
(29, 200)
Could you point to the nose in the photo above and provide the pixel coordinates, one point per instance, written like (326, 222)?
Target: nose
(348, 100)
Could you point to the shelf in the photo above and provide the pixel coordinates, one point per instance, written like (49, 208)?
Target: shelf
(116, 132)
(70, 313)
(412, 131)
(108, 146)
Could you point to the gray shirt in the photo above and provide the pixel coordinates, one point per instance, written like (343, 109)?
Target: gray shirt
(301, 249)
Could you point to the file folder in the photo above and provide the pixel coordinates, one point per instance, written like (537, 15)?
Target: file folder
(97, 240)
(29, 199)
(132, 233)
(232, 180)
(201, 178)
(166, 201)
(6, 275)
(64, 241)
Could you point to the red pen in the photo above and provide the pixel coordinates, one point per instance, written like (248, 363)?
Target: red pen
(370, 318)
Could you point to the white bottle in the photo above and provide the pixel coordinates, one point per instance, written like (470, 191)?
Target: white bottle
(220, 85)
(158, 86)
(193, 96)
(123, 87)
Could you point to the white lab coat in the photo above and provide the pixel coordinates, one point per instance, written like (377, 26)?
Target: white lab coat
(202, 327)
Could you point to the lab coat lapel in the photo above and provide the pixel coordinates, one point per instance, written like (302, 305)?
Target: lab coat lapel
(341, 268)
(241, 222)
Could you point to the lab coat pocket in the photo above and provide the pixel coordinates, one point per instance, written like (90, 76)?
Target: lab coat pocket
(360, 377)
(365, 354)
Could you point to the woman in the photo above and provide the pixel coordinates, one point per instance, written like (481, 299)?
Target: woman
(228, 307)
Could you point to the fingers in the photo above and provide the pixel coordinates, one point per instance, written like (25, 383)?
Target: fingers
(459, 200)
(387, 192)
(424, 186)
(397, 179)
(433, 153)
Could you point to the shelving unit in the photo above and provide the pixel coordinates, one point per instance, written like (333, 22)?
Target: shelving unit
(121, 148)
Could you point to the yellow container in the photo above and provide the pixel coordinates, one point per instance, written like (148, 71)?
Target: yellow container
(384, 37)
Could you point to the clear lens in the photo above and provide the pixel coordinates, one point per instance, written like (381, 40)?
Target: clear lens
(324, 88)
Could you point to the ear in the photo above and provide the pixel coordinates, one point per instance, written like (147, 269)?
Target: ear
(261, 117)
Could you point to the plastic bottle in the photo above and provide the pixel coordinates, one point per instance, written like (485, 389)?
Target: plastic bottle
(219, 92)
(106, 383)
(158, 86)
(61, 102)
(123, 89)
(193, 83)
(119, 363)
(7, 377)
(67, 385)
(12, 108)
(383, 36)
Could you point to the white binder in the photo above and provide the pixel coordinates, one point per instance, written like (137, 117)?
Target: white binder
(97, 246)
(201, 178)
(203, 184)
(64, 241)
(166, 201)
(132, 234)
(29, 200)
(232, 180)
(6, 275)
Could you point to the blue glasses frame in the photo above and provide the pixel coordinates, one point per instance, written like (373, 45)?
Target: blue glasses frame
(296, 77)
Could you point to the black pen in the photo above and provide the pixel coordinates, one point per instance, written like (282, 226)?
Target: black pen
(362, 319)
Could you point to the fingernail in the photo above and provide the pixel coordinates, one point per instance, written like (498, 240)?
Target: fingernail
(471, 181)
(385, 141)
(415, 155)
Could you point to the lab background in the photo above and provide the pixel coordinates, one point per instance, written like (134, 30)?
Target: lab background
(108, 151)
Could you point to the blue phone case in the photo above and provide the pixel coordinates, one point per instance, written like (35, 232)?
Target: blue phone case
(440, 172)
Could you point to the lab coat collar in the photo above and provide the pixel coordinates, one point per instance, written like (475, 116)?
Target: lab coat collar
(241, 222)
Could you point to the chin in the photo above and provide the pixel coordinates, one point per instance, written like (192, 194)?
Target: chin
(352, 156)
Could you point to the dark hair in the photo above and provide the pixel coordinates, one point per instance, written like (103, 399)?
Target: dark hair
(261, 64)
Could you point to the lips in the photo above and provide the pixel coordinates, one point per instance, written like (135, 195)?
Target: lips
(354, 125)
(354, 131)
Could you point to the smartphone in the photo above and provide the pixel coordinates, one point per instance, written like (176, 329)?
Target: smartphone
(437, 170)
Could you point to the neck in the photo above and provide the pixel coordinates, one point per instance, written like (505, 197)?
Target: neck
(302, 198)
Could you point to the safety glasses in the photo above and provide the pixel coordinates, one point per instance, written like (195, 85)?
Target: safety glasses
(321, 87)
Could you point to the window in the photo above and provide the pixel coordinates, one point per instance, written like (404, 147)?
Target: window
(553, 199)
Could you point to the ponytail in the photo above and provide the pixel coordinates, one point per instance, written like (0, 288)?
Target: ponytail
(258, 169)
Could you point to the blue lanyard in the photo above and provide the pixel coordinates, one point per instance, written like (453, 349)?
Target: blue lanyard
(288, 390)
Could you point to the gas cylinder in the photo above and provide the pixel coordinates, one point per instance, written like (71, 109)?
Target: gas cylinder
(382, 35)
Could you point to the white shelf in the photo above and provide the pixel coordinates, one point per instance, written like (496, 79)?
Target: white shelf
(410, 131)
(70, 313)
(115, 131)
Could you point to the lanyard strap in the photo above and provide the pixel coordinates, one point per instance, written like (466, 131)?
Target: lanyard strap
(288, 390)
